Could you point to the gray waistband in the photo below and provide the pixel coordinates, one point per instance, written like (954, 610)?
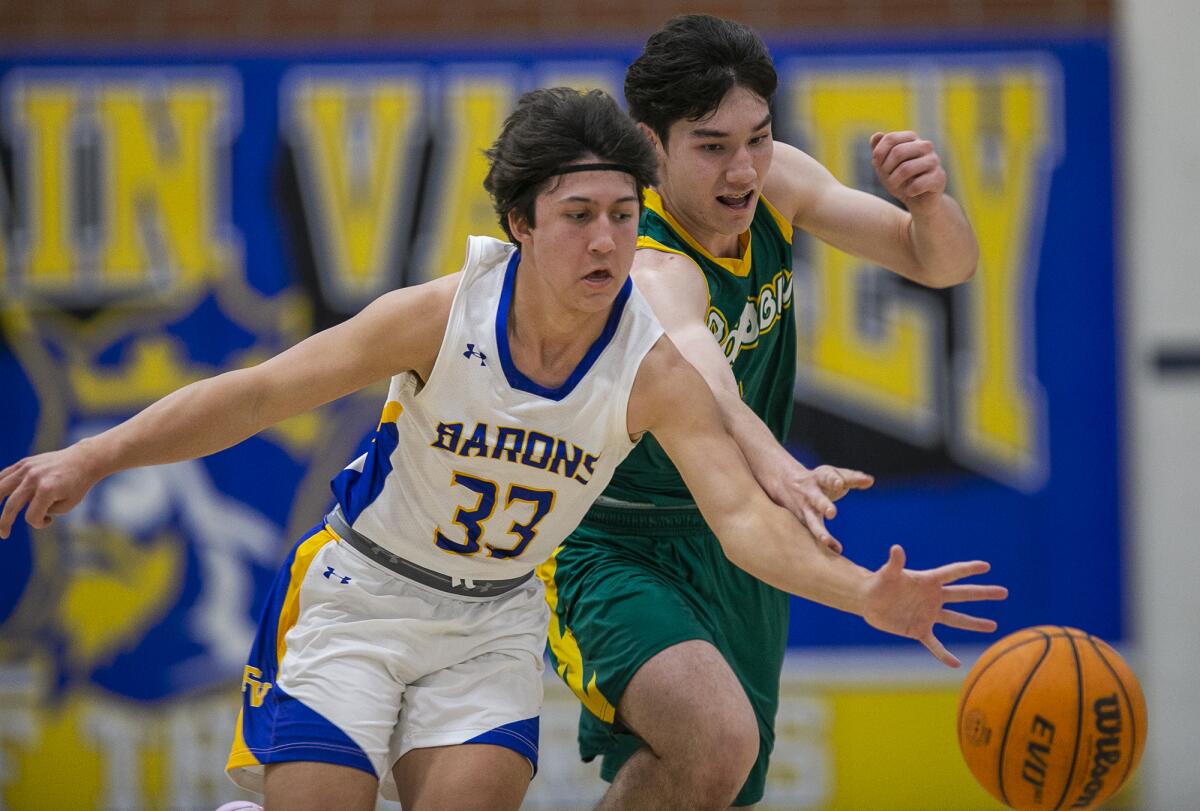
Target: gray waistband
(461, 586)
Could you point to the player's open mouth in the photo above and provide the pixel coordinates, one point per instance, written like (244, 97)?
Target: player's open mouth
(738, 201)
(597, 277)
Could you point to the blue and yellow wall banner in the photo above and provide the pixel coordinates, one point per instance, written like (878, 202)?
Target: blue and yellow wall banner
(166, 217)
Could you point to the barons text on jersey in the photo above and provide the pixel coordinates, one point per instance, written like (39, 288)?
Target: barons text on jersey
(530, 448)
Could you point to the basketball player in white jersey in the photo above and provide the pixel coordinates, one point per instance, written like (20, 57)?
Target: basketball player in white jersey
(402, 646)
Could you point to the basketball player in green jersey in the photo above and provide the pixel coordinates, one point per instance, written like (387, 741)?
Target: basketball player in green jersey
(675, 653)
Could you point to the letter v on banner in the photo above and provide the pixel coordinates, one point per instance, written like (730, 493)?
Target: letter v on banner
(357, 134)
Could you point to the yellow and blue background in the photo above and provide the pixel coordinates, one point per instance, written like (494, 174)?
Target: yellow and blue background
(170, 215)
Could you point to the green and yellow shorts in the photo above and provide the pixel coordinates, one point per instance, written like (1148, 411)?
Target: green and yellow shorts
(631, 582)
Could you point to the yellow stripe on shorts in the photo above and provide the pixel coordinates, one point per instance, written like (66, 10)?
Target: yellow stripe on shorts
(566, 651)
(240, 756)
(290, 611)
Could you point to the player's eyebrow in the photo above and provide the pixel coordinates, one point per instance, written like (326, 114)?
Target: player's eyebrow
(580, 198)
(704, 132)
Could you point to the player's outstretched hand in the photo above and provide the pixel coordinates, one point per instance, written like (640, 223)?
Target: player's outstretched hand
(49, 483)
(908, 602)
(907, 165)
(809, 495)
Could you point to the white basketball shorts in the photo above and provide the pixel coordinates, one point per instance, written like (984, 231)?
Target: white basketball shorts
(355, 665)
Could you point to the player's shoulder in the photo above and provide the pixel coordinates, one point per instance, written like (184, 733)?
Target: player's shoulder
(661, 366)
(439, 293)
(653, 384)
(655, 258)
(484, 258)
(794, 180)
(435, 295)
(413, 313)
(669, 280)
(787, 160)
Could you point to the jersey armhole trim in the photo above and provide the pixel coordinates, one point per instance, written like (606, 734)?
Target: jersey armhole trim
(653, 244)
(470, 272)
(785, 227)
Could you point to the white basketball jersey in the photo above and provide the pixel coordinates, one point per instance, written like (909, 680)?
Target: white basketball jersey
(480, 472)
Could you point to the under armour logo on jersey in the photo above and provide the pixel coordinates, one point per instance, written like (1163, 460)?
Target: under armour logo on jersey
(330, 574)
(471, 353)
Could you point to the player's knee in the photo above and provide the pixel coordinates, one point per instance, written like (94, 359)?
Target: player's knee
(725, 750)
(714, 784)
(730, 732)
(738, 752)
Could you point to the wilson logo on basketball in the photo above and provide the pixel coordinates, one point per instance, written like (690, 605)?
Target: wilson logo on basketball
(1106, 751)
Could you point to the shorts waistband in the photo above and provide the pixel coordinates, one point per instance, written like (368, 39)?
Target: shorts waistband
(460, 586)
(645, 519)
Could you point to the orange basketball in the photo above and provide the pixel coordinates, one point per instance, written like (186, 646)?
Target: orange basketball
(1051, 718)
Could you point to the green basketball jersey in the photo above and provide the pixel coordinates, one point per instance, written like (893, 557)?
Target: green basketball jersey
(749, 313)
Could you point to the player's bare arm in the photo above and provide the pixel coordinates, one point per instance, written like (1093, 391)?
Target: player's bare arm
(671, 400)
(399, 331)
(675, 288)
(930, 243)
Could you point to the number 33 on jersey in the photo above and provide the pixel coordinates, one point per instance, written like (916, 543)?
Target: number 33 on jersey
(496, 468)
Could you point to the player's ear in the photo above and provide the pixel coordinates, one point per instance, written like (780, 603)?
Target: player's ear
(519, 226)
(651, 136)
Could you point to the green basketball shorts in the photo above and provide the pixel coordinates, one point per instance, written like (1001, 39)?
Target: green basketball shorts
(629, 583)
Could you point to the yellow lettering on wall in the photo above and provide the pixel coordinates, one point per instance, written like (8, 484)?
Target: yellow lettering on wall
(887, 375)
(161, 189)
(355, 141)
(474, 107)
(999, 141)
(43, 114)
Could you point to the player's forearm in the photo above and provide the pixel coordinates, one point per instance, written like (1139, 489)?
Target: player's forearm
(766, 457)
(766, 542)
(198, 419)
(943, 242)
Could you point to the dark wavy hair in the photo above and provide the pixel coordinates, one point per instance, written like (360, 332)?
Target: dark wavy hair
(689, 65)
(552, 127)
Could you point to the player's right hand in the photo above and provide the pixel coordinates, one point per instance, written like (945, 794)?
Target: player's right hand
(908, 166)
(45, 485)
(809, 495)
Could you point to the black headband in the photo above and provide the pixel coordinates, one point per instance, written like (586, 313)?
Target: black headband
(593, 167)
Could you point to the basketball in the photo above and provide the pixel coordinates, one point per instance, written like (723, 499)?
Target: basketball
(1051, 718)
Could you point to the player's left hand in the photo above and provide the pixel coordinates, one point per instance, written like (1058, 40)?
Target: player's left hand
(908, 602)
(809, 495)
(908, 166)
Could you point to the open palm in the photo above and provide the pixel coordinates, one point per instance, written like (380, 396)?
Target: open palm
(909, 602)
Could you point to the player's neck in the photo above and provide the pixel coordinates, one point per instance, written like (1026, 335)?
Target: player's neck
(718, 245)
(547, 338)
